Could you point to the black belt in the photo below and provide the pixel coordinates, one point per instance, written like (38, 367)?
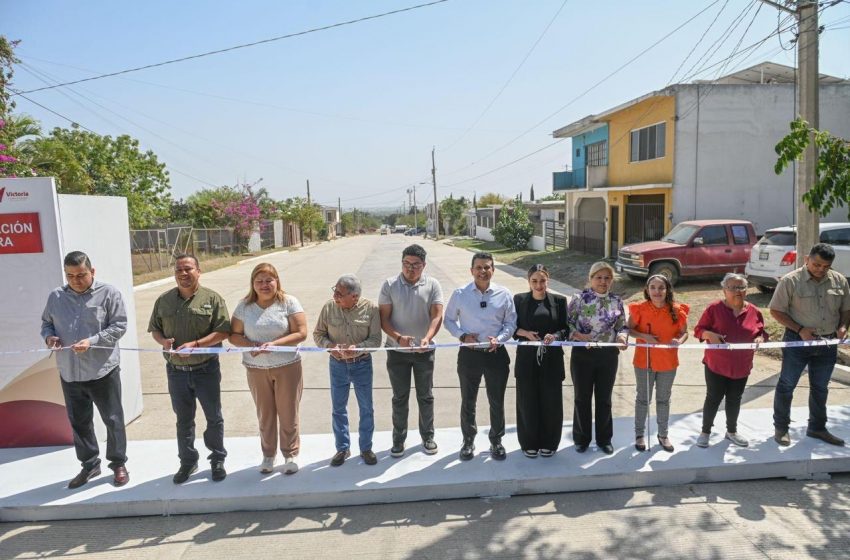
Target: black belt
(353, 360)
(190, 368)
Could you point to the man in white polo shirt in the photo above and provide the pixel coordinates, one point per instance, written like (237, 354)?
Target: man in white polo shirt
(411, 308)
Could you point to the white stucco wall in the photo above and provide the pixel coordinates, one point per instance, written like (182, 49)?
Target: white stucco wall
(724, 156)
(537, 243)
(106, 240)
(484, 233)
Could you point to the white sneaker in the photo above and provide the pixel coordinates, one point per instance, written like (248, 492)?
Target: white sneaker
(290, 467)
(702, 440)
(267, 465)
(737, 440)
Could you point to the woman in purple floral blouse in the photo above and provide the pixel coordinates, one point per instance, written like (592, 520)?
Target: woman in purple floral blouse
(595, 315)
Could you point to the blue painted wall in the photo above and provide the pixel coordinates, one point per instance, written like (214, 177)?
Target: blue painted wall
(579, 142)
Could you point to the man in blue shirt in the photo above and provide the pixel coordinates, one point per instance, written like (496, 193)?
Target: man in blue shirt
(482, 312)
(82, 314)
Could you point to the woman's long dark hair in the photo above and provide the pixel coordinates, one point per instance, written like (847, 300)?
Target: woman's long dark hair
(668, 295)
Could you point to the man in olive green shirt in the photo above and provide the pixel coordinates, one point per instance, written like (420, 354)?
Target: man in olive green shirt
(812, 302)
(347, 322)
(183, 318)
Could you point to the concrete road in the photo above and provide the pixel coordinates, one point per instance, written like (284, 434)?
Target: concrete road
(761, 519)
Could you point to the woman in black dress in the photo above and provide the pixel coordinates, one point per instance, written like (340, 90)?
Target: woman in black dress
(539, 370)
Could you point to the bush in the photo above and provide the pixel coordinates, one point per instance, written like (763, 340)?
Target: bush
(514, 227)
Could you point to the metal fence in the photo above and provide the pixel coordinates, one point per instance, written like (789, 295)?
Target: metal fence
(554, 235)
(644, 222)
(155, 249)
(587, 236)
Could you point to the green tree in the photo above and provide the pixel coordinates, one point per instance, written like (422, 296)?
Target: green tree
(491, 199)
(452, 215)
(206, 206)
(7, 70)
(553, 196)
(13, 128)
(56, 158)
(832, 184)
(87, 163)
(514, 227)
(308, 217)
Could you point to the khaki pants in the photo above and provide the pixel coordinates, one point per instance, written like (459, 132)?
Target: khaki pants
(277, 395)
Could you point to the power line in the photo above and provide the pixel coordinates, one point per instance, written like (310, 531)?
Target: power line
(507, 164)
(236, 47)
(591, 88)
(75, 124)
(266, 104)
(510, 79)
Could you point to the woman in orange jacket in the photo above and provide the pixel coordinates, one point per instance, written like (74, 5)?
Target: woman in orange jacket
(656, 320)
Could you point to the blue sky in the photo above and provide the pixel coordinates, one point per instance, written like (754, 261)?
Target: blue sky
(358, 108)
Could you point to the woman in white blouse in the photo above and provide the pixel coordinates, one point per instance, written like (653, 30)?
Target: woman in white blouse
(268, 317)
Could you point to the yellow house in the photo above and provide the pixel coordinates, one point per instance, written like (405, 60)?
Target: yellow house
(619, 190)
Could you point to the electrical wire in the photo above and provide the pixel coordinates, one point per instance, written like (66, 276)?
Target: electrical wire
(510, 79)
(589, 89)
(242, 46)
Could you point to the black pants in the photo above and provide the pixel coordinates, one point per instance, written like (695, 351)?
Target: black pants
(716, 388)
(593, 371)
(203, 384)
(539, 410)
(105, 393)
(495, 368)
(400, 365)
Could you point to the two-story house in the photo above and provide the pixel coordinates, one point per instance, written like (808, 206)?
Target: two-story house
(689, 151)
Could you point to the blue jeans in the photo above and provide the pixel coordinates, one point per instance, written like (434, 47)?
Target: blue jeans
(821, 361)
(343, 375)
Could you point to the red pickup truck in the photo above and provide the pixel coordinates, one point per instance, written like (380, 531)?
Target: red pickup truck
(692, 248)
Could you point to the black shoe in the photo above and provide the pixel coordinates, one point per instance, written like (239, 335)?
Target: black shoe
(369, 457)
(218, 472)
(665, 444)
(781, 437)
(822, 435)
(183, 474)
(497, 451)
(340, 457)
(581, 447)
(640, 443)
(607, 448)
(429, 446)
(397, 450)
(467, 452)
(82, 477)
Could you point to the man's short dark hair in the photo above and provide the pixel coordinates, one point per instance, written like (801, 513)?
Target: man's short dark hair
(824, 251)
(414, 251)
(77, 258)
(187, 256)
(482, 256)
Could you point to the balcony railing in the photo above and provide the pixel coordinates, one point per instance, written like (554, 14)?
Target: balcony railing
(566, 180)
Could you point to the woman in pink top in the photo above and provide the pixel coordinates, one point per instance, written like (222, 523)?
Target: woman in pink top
(729, 320)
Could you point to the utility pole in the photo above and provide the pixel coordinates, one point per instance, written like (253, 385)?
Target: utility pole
(436, 202)
(309, 203)
(808, 222)
(415, 210)
(339, 211)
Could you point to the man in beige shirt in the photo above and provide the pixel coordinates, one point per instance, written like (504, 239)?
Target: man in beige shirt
(346, 323)
(812, 302)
